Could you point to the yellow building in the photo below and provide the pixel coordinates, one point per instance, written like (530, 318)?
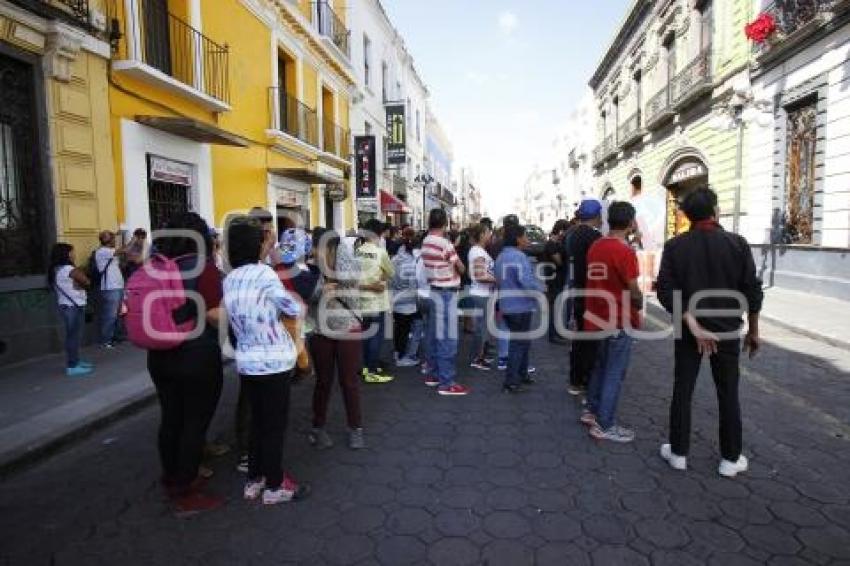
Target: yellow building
(222, 105)
(56, 175)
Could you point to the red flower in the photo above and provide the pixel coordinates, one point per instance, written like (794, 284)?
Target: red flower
(759, 30)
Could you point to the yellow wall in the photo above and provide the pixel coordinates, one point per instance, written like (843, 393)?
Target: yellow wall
(240, 175)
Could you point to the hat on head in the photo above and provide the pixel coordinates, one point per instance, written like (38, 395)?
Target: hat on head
(589, 208)
(294, 245)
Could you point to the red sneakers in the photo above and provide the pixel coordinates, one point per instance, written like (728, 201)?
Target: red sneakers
(455, 390)
(432, 381)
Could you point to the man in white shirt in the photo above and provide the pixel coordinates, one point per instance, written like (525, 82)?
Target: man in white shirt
(111, 284)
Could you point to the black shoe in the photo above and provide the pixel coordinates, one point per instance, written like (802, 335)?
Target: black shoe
(528, 380)
(513, 389)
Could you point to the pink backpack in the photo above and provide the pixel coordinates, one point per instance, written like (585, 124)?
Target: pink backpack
(153, 292)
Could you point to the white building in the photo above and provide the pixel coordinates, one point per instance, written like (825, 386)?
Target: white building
(797, 170)
(387, 75)
(440, 187)
(573, 156)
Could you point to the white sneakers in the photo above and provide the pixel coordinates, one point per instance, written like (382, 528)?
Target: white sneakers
(676, 462)
(254, 489)
(729, 469)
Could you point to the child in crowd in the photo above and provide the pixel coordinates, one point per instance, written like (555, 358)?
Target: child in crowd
(403, 286)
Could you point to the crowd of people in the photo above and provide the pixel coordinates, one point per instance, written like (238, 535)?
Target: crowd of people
(293, 303)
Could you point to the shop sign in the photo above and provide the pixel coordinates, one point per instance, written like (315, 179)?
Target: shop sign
(396, 135)
(687, 171)
(336, 193)
(364, 165)
(289, 199)
(168, 171)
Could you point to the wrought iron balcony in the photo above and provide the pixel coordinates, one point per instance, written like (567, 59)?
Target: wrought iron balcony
(163, 42)
(692, 81)
(331, 26)
(658, 109)
(631, 130)
(336, 139)
(293, 117)
(604, 150)
(72, 11)
(795, 20)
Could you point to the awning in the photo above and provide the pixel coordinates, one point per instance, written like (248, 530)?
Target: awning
(194, 130)
(391, 203)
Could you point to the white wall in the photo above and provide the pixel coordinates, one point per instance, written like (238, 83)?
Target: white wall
(137, 141)
(829, 57)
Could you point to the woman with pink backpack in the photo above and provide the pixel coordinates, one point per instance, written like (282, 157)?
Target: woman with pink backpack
(184, 356)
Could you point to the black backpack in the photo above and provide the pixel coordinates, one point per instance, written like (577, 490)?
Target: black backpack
(96, 275)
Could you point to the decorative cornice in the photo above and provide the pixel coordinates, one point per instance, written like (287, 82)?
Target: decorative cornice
(63, 45)
(637, 15)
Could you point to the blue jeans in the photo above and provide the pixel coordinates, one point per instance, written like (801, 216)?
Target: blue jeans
(75, 321)
(417, 329)
(426, 349)
(442, 333)
(612, 361)
(518, 347)
(479, 326)
(372, 345)
(503, 341)
(109, 302)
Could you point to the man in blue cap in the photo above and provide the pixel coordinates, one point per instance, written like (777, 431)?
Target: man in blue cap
(576, 244)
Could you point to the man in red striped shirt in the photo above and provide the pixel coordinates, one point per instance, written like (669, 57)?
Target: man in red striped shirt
(443, 268)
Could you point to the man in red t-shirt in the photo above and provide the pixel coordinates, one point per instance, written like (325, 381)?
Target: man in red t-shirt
(613, 307)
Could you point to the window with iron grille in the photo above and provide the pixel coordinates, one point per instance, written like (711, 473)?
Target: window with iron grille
(22, 193)
(801, 140)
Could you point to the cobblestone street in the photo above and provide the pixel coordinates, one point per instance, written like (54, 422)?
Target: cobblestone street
(486, 479)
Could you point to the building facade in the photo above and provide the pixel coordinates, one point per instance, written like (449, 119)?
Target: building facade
(218, 107)
(387, 77)
(798, 174)
(573, 150)
(440, 188)
(670, 64)
(56, 177)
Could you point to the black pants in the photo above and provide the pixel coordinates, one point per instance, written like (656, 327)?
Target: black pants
(726, 372)
(402, 323)
(268, 397)
(243, 421)
(188, 382)
(582, 352)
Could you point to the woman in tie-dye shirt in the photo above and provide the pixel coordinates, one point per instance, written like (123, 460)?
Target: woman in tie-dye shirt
(255, 301)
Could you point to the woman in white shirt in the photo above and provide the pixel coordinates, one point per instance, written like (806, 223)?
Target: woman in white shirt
(480, 291)
(70, 282)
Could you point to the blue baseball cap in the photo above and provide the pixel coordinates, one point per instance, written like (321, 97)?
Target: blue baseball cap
(589, 208)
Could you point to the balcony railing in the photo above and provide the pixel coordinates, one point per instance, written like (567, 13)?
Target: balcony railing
(631, 130)
(336, 139)
(165, 42)
(331, 26)
(693, 81)
(73, 11)
(795, 19)
(604, 149)
(293, 117)
(658, 109)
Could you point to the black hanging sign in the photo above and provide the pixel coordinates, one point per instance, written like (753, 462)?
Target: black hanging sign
(364, 164)
(396, 135)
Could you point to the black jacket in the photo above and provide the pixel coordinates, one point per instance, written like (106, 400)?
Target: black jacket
(707, 258)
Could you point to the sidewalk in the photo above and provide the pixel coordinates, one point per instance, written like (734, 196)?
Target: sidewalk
(820, 318)
(42, 408)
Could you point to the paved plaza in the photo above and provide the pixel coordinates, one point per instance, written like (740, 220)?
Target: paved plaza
(486, 479)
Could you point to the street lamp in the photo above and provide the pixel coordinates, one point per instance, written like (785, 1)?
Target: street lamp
(424, 181)
(740, 110)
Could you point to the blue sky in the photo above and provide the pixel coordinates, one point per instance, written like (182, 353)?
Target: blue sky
(503, 77)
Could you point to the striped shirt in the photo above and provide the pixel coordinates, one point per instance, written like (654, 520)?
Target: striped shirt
(439, 257)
